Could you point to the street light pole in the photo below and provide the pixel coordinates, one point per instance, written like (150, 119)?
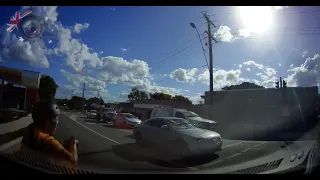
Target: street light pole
(209, 22)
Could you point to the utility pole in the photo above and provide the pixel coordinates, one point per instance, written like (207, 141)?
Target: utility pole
(209, 22)
(72, 92)
(83, 89)
(210, 52)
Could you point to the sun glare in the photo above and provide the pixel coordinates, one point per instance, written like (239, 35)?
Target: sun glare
(256, 19)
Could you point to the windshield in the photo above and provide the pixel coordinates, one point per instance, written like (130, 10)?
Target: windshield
(130, 116)
(109, 110)
(190, 114)
(180, 124)
(122, 80)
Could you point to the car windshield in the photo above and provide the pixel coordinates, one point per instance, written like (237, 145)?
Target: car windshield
(248, 75)
(130, 116)
(190, 114)
(108, 110)
(180, 124)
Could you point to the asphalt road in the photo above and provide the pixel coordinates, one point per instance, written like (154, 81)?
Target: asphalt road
(103, 146)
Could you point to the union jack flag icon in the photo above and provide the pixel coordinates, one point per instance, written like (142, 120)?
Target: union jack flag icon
(15, 20)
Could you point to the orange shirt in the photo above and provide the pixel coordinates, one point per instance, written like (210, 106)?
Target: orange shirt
(52, 143)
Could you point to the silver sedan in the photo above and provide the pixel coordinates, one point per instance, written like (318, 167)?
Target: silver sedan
(177, 136)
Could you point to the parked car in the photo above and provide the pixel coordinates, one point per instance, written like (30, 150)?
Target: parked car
(194, 118)
(126, 119)
(106, 114)
(177, 136)
(91, 114)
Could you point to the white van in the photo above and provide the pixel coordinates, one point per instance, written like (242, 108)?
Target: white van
(192, 117)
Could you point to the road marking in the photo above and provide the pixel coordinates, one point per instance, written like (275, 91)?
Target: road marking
(235, 144)
(259, 144)
(125, 130)
(246, 150)
(96, 132)
(212, 163)
(232, 156)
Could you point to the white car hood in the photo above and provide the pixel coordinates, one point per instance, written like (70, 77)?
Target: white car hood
(134, 120)
(202, 120)
(199, 133)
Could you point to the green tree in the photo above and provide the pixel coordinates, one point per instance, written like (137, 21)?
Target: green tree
(244, 85)
(181, 98)
(76, 102)
(137, 94)
(93, 100)
(47, 88)
(160, 96)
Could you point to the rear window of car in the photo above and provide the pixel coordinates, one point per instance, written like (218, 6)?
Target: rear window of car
(161, 113)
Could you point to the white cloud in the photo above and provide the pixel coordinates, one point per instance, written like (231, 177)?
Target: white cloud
(304, 53)
(92, 85)
(101, 52)
(118, 70)
(34, 53)
(124, 49)
(52, 13)
(248, 69)
(252, 63)
(240, 66)
(307, 74)
(184, 75)
(279, 64)
(223, 34)
(267, 77)
(221, 78)
(77, 53)
(195, 99)
(78, 28)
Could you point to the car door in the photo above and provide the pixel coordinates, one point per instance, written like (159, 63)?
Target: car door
(156, 134)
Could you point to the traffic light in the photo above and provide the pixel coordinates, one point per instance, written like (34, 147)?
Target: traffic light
(284, 84)
(277, 85)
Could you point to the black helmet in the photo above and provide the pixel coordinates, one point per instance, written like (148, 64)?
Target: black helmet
(44, 110)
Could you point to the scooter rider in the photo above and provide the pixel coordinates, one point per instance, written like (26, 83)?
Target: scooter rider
(39, 134)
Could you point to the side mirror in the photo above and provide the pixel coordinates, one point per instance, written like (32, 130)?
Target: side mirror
(164, 127)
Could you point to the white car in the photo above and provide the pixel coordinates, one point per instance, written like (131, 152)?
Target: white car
(91, 114)
(194, 118)
(177, 136)
(126, 119)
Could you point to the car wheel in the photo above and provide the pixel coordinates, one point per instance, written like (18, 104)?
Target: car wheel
(139, 139)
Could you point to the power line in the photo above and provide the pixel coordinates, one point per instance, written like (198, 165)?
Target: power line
(178, 58)
(278, 13)
(185, 49)
(176, 48)
(203, 50)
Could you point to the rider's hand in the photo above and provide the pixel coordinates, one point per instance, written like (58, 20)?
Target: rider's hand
(71, 142)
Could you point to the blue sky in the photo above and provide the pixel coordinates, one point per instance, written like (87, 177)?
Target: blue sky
(112, 49)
